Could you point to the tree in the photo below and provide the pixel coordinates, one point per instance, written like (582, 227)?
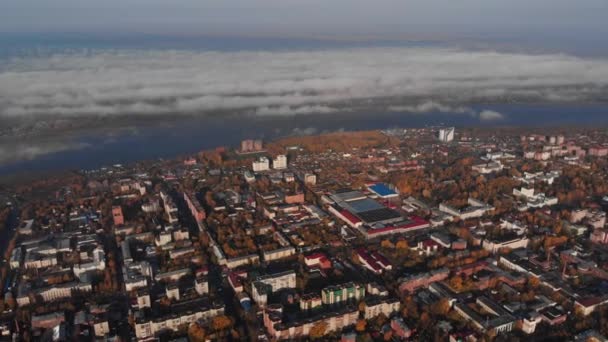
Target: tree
(221, 322)
(196, 333)
(402, 244)
(441, 307)
(361, 325)
(533, 282)
(387, 244)
(456, 283)
(318, 330)
(425, 320)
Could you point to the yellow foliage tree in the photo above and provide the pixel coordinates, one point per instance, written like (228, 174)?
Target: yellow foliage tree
(318, 330)
(221, 322)
(196, 333)
(361, 325)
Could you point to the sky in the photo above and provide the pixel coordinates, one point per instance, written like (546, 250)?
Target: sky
(120, 79)
(340, 18)
(65, 64)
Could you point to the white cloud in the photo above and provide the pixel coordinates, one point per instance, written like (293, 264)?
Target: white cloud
(490, 115)
(430, 106)
(287, 110)
(289, 82)
(10, 152)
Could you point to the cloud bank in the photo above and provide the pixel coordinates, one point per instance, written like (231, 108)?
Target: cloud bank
(490, 115)
(11, 152)
(421, 80)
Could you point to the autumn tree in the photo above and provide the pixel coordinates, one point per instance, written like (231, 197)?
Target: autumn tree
(196, 333)
(318, 330)
(220, 323)
(361, 325)
(441, 307)
(533, 282)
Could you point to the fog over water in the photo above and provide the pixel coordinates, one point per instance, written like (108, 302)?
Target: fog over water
(70, 102)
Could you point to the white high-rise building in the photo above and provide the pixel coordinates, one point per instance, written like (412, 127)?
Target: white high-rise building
(261, 164)
(280, 162)
(446, 134)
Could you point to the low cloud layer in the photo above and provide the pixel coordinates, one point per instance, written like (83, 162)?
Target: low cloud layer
(11, 152)
(490, 115)
(429, 107)
(290, 82)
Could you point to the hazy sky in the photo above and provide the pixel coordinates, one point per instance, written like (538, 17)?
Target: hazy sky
(309, 17)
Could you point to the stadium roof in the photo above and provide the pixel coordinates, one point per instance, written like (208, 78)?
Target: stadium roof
(382, 190)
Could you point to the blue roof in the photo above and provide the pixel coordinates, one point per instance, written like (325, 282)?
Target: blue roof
(362, 205)
(382, 190)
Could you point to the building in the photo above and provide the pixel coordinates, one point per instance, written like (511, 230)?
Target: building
(170, 208)
(446, 135)
(400, 328)
(250, 145)
(334, 321)
(143, 299)
(373, 261)
(47, 321)
(587, 306)
(280, 162)
(487, 168)
(383, 190)
(475, 209)
(310, 178)
(182, 314)
(499, 320)
(510, 241)
(97, 264)
(370, 217)
(319, 260)
(261, 164)
(118, 216)
(532, 199)
(16, 257)
(598, 151)
(310, 301)
(65, 290)
(265, 285)
(201, 285)
(247, 145)
(339, 294)
(101, 327)
(196, 209)
(413, 282)
(599, 236)
(36, 261)
(278, 253)
(173, 275)
(376, 306)
(172, 291)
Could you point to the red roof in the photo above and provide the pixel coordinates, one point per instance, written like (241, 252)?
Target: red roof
(381, 259)
(430, 243)
(318, 255)
(203, 270)
(587, 302)
(371, 262)
(235, 280)
(350, 217)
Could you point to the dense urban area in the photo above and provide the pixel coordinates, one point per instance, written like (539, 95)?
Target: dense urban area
(432, 234)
